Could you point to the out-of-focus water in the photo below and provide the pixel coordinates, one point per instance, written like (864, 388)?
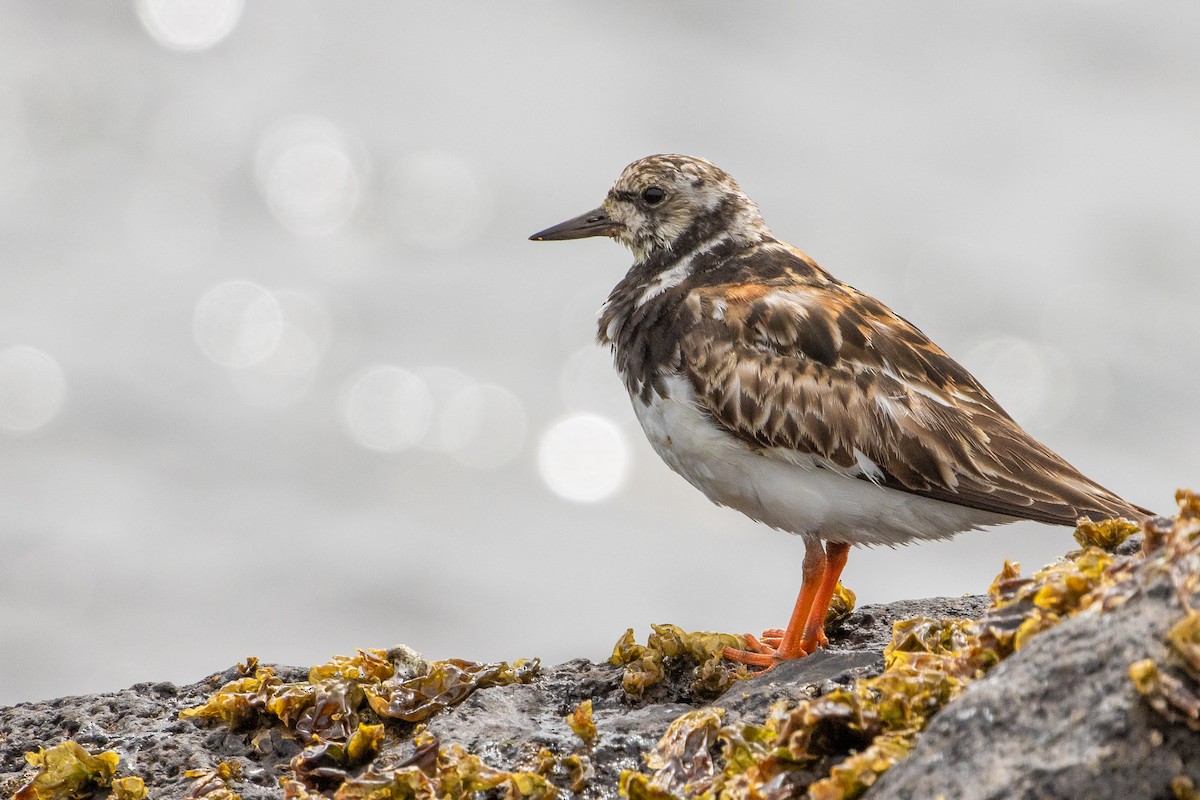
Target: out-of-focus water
(280, 374)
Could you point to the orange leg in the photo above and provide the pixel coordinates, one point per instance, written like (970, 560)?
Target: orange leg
(814, 627)
(805, 631)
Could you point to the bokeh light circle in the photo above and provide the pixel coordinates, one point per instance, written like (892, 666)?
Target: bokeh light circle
(443, 382)
(285, 375)
(171, 222)
(386, 408)
(308, 175)
(440, 201)
(309, 312)
(588, 382)
(32, 389)
(482, 426)
(189, 25)
(237, 323)
(18, 159)
(584, 457)
(1025, 377)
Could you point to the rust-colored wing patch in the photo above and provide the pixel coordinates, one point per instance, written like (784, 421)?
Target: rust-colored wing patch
(819, 369)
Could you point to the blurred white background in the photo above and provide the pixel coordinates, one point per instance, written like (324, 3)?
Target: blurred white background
(280, 374)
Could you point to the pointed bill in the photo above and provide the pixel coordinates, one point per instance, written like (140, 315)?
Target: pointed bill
(594, 223)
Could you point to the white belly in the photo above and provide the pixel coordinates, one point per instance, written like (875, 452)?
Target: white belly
(793, 495)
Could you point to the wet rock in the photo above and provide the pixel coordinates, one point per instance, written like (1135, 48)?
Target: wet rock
(1060, 719)
(506, 726)
(141, 724)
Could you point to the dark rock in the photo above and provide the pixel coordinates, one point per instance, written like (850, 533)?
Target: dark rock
(141, 724)
(1059, 719)
(870, 627)
(506, 726)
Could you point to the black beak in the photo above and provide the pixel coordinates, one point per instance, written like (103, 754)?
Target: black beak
(593, 223)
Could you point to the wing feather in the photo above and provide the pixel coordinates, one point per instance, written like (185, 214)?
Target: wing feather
(823, 370)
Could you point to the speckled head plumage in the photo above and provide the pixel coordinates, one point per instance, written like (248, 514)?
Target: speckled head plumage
(786, 394)
(661, 203)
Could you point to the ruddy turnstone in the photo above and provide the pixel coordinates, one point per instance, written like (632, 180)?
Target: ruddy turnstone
(778, 390)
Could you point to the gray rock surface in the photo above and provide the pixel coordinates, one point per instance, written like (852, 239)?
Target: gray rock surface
(506, 726)
(141, 724)
(1059, 719)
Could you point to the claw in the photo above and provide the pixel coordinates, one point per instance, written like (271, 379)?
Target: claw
(764, 660)
(772, 637)
(755, 646)
(759, 653)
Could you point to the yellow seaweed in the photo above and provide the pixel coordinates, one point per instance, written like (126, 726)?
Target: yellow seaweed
(859, 771)
(1183, 788)
(213, 783)
(670, 646)
(1107, 534)
(1189, 504)
(130, 788)
(330, 763)
(67, 771)
(448, 773)
(239, 702)
(1184, 639)
(446, 684)
(581, 722)
(858, 731)
(325, 713)
(836, 746)
(841, 605)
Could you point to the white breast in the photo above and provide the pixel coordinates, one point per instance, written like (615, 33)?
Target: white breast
(790, 491)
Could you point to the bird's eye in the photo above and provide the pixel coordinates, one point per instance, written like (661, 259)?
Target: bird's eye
(653, 195)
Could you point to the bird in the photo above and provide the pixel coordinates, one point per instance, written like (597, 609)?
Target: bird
(778, 390)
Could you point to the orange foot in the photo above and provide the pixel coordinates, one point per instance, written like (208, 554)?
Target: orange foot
(763, 651)
(773, 637)
(806, 629)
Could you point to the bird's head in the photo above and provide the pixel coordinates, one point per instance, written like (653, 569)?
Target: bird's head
(661, 202)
